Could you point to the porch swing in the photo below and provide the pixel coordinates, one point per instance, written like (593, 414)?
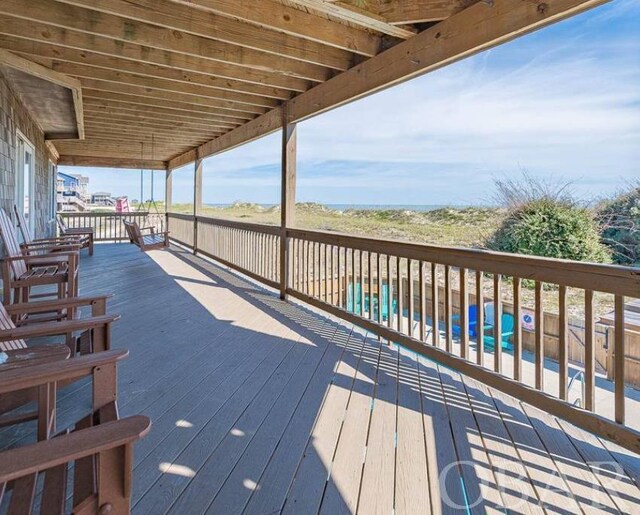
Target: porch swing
(152, 234)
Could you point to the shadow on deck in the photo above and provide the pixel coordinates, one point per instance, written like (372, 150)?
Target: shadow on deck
(263, 406)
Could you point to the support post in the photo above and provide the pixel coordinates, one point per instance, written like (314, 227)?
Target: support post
(288, 196)
(197, 199)
(168, 192)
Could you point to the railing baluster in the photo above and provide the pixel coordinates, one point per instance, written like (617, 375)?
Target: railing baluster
(589, 352)
(480, 318)
(423, 301)
(448, 308)
(371, 316)
(619, 357)
(340, 303)
(380, 296)
(497, 323)
(539, 338)
(563, 334)
(400, 295)
(517, 329)
(411, 306)
(390, 294)
(435, 305)
(464, 315)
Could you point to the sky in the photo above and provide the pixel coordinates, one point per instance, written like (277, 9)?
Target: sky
(562, 103)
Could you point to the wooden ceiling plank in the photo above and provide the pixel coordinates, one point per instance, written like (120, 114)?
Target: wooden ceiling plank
(172, 16)
(91, 72)
(477, 28)
(93, 110)
(151, 128)
(160, 112)
(83, 57)
(276, 16)
(49, 34)
(419, 11)
(116, 87)
(122, 29)
(357, 16)
(69, 160)
(143, 102)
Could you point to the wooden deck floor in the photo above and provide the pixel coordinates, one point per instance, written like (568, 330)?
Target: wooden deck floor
(261, 406)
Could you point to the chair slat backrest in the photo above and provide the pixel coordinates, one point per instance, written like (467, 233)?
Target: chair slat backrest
(133, 230)
(62, 225)
(23, 226)
(11, 244)
(7, 323)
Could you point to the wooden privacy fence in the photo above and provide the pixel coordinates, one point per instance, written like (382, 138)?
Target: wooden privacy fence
(109, 226)
(419, 296)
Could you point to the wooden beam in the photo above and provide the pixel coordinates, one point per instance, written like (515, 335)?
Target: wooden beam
(477, 28)
(111, 162)
(29, 30)
(357, 16)
(205, 24)
(274, 15)
(418, 11)
(246, 133)
(141, 121)
(141, 102)
(168, 191)
(123, 29)
(287, 199)
(24, 65)
(83, 57)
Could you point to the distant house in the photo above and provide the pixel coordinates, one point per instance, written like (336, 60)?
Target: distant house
(72, 192)
(102, 198)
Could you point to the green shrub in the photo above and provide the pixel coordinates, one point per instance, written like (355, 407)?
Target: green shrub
(620, 226)
(551, 228)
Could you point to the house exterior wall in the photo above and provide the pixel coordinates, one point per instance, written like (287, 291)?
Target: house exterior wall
(14, 117)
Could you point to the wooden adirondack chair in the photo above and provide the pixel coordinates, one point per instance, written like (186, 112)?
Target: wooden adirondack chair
(102, 468)
(95, 336)
(45, 245)
(99, 447)
(21, 272)
(84, 233)
(152, 240)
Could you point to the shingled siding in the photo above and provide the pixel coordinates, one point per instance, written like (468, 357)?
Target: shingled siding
(13, 117)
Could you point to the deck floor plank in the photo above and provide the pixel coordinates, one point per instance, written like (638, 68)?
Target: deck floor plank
(378, 475)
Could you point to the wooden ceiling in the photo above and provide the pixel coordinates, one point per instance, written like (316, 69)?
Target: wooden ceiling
(161, 78)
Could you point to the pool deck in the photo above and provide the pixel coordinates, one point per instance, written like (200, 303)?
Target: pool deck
(263, 406)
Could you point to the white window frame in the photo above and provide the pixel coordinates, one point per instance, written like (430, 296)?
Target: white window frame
(24, 146)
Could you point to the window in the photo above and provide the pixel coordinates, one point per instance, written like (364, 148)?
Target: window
(25, 179)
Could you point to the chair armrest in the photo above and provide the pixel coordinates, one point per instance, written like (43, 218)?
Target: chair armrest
(49, 305)
(55, 328)
(68, 369)
(147, 228)
(44, 455)
(50, 248)
(54, 255)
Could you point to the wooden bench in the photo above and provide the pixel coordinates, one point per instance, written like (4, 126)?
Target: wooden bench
(85, 234)
(152, 240)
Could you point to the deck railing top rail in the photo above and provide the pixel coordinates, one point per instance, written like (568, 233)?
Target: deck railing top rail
(619, 280)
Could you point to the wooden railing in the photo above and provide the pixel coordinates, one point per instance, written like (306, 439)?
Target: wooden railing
(109, 226)
(252, 249)
(420, 296)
